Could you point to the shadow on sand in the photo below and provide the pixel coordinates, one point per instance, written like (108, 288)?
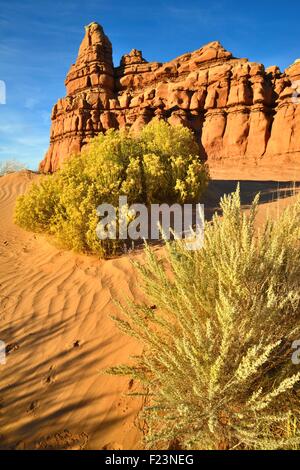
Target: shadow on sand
(270, 191)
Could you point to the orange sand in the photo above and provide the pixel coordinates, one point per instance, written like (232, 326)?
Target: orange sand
(54, 315)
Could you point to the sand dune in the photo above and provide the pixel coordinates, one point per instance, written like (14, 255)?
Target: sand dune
(276, 169)
(54, 315)
(54, 318)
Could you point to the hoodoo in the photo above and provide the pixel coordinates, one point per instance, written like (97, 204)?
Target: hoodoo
(238, 109)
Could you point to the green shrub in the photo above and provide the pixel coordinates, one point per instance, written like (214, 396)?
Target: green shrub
(217, 361)
(159, 165)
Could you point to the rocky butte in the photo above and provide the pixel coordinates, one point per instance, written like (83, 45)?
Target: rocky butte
(239, 110)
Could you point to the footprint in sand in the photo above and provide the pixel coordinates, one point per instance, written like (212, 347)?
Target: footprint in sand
(64, 440)
(50, 377)
(11, 348)
(130, 384)
(122, 404)
(77, 344)
(33, 406)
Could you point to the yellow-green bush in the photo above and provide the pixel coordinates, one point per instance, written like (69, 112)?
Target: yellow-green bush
(217, 359)
(161, 164)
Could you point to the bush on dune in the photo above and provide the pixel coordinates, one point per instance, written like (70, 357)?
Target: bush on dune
(10, 166)
(217, 362)
(161, 164)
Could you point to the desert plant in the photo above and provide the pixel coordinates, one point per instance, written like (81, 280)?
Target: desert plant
(216, 365)
(10, 166)
(159, 165)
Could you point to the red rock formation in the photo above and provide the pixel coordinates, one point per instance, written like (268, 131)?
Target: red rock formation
(237, 109)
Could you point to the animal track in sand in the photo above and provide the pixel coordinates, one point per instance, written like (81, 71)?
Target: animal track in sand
(50, 377)
(11, 348)
(32, 408)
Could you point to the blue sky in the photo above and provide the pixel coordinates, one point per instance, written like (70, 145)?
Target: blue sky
(39, 39)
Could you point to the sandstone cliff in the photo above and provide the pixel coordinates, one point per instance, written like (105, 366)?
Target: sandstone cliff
(238, 109)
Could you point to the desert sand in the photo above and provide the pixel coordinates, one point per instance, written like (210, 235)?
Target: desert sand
(55, 309)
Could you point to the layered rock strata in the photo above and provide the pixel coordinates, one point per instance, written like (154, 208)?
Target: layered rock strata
(238, 109)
